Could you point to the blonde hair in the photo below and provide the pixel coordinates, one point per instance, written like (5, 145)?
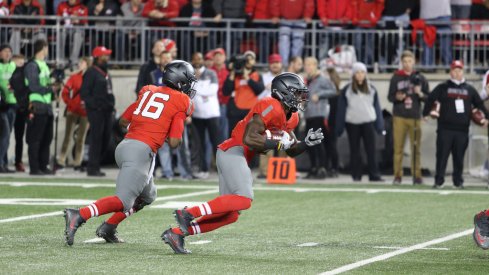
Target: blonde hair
(407, 54)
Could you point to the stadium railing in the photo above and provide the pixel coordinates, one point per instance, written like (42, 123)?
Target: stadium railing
(378, 47)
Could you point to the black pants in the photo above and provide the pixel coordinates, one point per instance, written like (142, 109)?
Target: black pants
(366, 133)
(454, 142)
(210, 125)
(19, 130)
(330, 141)
(317, 154)
(39, 136)
(100, 131)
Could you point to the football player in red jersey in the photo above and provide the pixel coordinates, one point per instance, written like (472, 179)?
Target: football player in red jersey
(289, 94)
(160, 114)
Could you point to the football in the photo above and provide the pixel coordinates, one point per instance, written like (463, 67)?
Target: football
(478, 117)
(435, 110)
(273, 134)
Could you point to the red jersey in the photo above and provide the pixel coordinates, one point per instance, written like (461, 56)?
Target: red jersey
(273, 115)
(71, 95)
(65, 9)
(156, 109)
(127, 115)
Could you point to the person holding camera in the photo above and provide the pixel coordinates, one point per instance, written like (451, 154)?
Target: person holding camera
(243, 84)
(456, 99)
(40, 123)
(407, 90)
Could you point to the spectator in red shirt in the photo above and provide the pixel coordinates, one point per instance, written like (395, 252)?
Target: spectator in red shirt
(67, 9)
(75, 115)
(364, 11)
(291, 10)
(219, 58)
(26, 8)
(339, 11)
(259, 10)
(159, 11)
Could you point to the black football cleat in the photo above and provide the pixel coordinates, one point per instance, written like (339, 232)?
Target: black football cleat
(175, 241)
(183, 218)
(481, 230)
(73, 222)
(108, 232)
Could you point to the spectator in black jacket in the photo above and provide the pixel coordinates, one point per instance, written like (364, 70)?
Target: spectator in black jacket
(144, 76)
(456, 98)
(96, 92)
(243, 85)
(197, 41)
(106, 8)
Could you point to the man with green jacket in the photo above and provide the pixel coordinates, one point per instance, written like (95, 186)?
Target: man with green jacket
(7, 104)
(40, 123)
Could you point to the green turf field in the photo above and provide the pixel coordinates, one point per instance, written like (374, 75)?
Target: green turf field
(310, 230)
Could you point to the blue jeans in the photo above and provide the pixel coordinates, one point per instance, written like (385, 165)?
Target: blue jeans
(288, 30)
(183, 158)
(364, 45)
(444, 32)
(223, 122)
(7, 118)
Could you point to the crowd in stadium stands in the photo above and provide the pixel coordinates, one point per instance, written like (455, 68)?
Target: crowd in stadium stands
(335, 16)
(229, 86)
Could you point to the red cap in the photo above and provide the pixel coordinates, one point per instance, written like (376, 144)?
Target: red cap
(219, 50)
(274, 58)
(101, 50)
(457, 64)
(209, 55)
(168, 44)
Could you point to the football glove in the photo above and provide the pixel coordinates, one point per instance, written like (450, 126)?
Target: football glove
(314, 137)
(286, 142)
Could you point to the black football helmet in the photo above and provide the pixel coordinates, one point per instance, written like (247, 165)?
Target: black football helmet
(290, 89)
(180, 75)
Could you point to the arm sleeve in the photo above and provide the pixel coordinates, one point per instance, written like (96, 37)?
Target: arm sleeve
(274, 6)
(341, 112)
(217, 5)
(379, 121)
(321, 8)
(177, 125)
(483, 93)
(391, 96)
(309, 9)
(173, 9)
(127, 115)
(256, 85)
(326, 89)
(86, 87)
(478, 103)
(65, 93)
(32, 74)
(432, 97)
(148, 7)
(265, 111)
(250, 7)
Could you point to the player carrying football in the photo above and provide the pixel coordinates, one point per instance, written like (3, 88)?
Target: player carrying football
(289, 94)
(160, 113)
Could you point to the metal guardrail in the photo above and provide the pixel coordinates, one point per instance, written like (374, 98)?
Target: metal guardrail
(378, 47)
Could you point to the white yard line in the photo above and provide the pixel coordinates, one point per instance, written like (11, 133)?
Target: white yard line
(57, 213)
(264, 188)
(397, 253)
(398, 247)
(30, 217)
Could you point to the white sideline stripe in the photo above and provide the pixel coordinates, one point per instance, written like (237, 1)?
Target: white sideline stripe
(264, 188)
(30, 217)
(200, 242)
(426, 248)
(397, 252)
(57, 213)
(307, 244)
(95, 240)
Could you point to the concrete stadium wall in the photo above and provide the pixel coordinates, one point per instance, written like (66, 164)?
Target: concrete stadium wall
(124, 89)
